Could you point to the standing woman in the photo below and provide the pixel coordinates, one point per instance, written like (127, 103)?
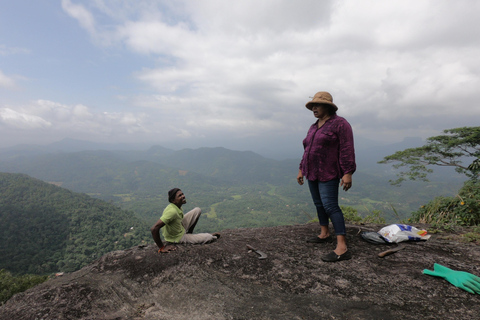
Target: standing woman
(328, 160)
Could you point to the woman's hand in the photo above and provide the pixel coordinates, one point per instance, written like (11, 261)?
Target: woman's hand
(346, 181)
(300, 177)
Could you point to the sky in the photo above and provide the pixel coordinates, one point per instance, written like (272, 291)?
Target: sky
(234, 74)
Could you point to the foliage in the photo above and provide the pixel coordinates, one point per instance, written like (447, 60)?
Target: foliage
(253, 206)
(376, 216)
(46, 228)
(10, 285)
(463, 209)
(473, 236)
(351, 215)
(445, 150)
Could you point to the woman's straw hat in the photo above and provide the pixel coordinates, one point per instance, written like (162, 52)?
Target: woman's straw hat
(321, 97)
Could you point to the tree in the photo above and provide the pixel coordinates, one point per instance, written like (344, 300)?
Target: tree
(450, 149)
(10, 285)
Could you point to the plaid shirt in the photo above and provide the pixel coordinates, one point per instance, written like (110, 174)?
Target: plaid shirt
(329, 151)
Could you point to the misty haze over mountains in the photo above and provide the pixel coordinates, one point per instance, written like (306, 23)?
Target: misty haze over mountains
(113, 171)
(367, 151)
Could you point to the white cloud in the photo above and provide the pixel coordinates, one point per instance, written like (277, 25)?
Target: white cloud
(81, 14)
(5, 51)
(5, 81)
(364, 59)
(65, 120)
(22, 120)
(157, 37)
(233, 69)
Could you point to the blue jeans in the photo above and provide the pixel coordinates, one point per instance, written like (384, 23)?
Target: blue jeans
(325, 199)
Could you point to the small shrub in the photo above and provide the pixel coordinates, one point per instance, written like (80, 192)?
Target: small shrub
(473, 236)
(463, 209)
(10, 285)
(376, 216)
(350, 214)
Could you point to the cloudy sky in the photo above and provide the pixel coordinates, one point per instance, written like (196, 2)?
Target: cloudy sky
(235, 74)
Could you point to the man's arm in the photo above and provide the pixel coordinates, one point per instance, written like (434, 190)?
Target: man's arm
(156, 237)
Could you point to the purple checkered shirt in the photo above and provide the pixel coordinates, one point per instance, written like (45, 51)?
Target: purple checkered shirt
(329, 151)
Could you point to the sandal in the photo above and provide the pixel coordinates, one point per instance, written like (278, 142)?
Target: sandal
(320, 240)
(333, 257)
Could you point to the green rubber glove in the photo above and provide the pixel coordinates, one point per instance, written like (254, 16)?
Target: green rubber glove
(459, 279)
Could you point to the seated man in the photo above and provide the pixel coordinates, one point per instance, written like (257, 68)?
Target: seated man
(177, 227)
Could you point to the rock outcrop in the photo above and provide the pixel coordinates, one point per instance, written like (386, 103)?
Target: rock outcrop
(223, 280)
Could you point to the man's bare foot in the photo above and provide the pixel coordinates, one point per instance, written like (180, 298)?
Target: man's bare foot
(167, 249)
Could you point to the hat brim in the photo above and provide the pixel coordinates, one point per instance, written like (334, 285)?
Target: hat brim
(310, 104)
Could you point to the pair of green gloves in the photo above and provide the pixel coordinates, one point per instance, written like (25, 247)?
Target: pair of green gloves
(459, 279)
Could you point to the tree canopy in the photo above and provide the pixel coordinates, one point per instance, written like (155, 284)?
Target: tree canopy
(452, 149)
(45, 228)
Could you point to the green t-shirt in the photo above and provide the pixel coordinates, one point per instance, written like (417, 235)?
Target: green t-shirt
(173, 230)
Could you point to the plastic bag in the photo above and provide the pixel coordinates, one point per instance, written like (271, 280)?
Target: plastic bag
(373, 237)
(402, 232)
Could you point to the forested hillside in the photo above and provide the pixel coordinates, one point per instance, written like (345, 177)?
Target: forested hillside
(45, 228)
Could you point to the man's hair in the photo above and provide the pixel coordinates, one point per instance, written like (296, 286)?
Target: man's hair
(172, 193)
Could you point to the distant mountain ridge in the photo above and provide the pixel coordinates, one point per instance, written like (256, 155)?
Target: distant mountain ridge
(209, 161)
(375, 149)
(216, 163)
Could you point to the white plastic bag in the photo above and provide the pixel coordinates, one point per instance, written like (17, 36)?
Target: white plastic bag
(402, 232)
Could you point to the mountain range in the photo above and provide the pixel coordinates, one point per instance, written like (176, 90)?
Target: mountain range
(216, 178)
